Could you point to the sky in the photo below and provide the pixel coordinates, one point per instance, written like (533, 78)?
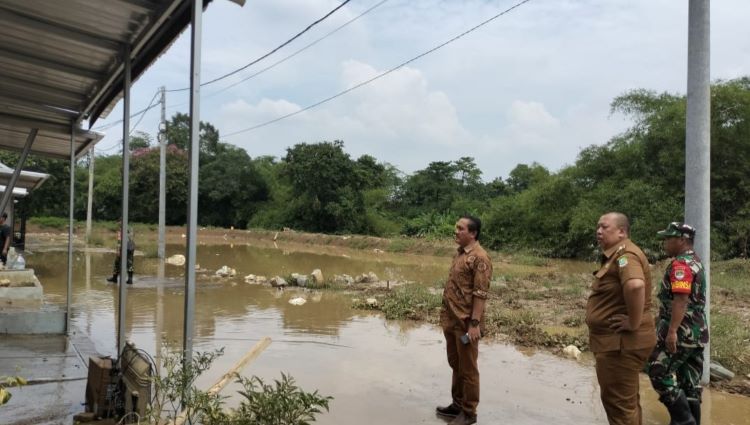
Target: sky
(534, 85)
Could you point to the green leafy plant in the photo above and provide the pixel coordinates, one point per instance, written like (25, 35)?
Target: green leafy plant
(178, 400)
(282, 402)
(177, 395)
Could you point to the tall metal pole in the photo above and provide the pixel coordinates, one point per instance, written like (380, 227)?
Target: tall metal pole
(69, 291)
(90, 200)
(192, 214)
(125, 192)
(698, 144)
(162, 175)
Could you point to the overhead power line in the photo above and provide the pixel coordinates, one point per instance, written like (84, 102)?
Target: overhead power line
(229, 74)
(142, 113)
(286, 58)
(381, 75)
(151, 105)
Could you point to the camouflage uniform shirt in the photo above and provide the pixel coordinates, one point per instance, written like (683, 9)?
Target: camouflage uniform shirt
(685, 275)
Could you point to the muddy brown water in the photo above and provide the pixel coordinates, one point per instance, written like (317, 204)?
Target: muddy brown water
(377, 371)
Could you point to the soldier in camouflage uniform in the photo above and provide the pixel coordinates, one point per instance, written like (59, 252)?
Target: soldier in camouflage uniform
(129, 259)
(676, 365)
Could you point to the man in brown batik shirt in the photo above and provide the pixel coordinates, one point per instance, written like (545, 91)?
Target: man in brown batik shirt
(462, 319)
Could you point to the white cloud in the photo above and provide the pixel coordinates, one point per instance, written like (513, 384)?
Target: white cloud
(395, 114)
(533, 85)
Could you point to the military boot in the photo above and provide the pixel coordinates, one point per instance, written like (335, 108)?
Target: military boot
(112, 279)
(452, 410)
(695, 409)
(464, 419)
(679, 411)
(130, 278)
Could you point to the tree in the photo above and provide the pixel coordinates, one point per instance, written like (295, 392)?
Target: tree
(467, 172)
(431, 189)
(327, 189)
(230, 188)
(178, 133)
(141, 140)
(525, 176)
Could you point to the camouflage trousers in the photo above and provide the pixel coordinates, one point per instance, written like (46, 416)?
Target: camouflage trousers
(129, 263)
(672, 372)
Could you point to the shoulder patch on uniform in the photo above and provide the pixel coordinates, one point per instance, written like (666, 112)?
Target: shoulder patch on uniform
(679, 274)
(622, 261)
(471, 258)
(482, 266)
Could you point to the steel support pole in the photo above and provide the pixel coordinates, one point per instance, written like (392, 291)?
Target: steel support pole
(192, 213)
(162, 176)
(125, 192)
(90, 199)
(698, 144)
(8, 194)
(71, 206)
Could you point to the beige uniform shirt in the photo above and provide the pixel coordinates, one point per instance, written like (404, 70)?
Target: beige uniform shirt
(620, 263)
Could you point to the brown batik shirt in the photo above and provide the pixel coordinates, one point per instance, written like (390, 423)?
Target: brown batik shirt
(470, 275)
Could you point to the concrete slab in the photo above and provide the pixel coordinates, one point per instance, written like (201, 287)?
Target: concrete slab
(20, 288)
(47, 319)
(44, 404)
(56, 373)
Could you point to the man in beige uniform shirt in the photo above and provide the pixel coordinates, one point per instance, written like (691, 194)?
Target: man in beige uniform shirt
(621, 327)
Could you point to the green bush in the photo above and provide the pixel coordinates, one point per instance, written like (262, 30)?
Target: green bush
(58, 223)
(413, 302)
(431, 225)
(263, 404)
(282, 403)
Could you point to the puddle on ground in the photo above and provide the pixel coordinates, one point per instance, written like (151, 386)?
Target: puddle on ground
(377, 371)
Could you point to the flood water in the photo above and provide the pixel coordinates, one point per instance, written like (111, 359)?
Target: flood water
(377, 371)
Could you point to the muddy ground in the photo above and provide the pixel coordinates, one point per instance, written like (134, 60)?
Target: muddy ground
(535, 302)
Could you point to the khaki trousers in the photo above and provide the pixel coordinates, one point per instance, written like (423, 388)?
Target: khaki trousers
(617, 373)
(463, 360)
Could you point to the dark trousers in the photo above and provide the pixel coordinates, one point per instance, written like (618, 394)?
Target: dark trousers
(617, 373)
(672, 372)
(128, 260)
(463, 360)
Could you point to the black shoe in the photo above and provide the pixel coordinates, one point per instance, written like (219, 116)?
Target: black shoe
(695, 410)
(679, 411)
(464, 419)
(451, 411)
(112, 279)
(130, 278)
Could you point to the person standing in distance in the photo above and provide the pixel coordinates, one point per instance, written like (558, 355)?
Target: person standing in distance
(676, 365)
(462, 319)
(5, 237)
(130, 253)
(618, 315)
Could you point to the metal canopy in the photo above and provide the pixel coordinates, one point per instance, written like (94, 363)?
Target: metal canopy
(27, 180)
(61, 62)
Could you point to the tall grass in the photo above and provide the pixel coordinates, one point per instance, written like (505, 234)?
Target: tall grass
(730, 342)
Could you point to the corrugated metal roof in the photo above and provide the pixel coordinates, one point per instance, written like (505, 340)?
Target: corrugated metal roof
(61, 63)
(27, 180)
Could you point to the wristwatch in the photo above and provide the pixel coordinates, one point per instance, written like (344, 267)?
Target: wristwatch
(474, 323)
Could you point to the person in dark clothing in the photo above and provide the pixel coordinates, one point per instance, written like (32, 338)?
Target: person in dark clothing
(131, 251)
(5, 237)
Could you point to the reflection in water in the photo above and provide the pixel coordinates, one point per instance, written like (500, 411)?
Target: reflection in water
(378, 372)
